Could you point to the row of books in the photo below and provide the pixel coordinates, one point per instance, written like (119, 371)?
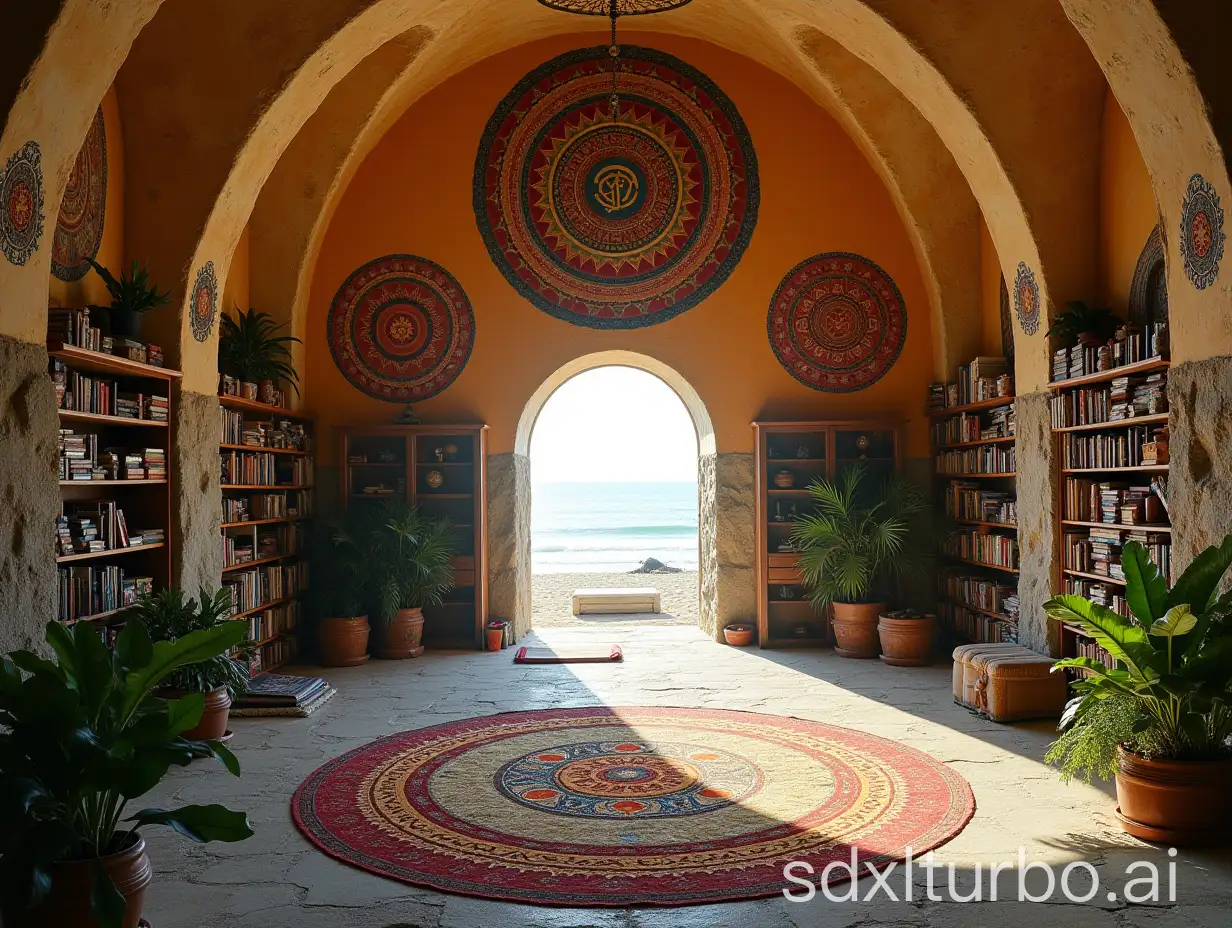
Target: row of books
(1087, 647)
(89, 526)
(1123, 448)
(102, 396)
(286, 434)
(1114, 501)
(1131, 346)
(278, 620)
(277, 652)
(1108, 595)
(249, 468)
(989, 459)
(73, 327)
(972, 502)
(81, 459)
(88, 591)
(1098, 550)
(978, 592)
(975, 626)
(985, 378)
(1126, 399)
(969, 427)
(992, 549)
(267, 542)
(251, 589)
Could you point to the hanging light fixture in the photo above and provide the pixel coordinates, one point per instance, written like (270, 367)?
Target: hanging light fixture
(613, 10)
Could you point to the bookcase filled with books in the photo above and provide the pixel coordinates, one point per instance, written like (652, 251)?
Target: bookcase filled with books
(973, 442)
(115, 441)
(267, 456)
(1109, 413)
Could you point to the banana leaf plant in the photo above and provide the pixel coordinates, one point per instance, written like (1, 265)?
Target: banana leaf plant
(80, 738)
(1167, 696)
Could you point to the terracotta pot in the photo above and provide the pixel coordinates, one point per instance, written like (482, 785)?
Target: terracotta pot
(1173, 802)
(71, 882)
(855, 629)
(907, 642)
(213, 724)
(740, 636)
(496, 637)
(402, 636)
(342, 642)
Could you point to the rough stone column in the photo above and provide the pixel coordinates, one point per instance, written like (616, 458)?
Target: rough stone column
(509, 557)
(728, 574)
(196, 502)
(1200, 446)
(1037, 543)
(31, 498)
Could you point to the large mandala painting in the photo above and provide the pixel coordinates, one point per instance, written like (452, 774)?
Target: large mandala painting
(1148, 293)
(1202, 234)
(79, 230)
(626, 806)
(21, 204)
(616, 223)
(401, 328)
(837, 322)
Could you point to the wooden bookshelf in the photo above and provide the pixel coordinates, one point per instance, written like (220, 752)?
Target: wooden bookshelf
(1141, 367)
(268, 519)
(400, 461)
(806, 450)
(100, 397)
(978, 406)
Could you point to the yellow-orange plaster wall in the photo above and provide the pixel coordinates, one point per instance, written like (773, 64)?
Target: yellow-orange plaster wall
(1127, 208)
(413, 195)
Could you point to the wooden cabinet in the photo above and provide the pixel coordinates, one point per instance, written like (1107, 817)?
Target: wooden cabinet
(789, 457)
(443, 470)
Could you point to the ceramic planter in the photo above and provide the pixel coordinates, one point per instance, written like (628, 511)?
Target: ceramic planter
(342, 642)
(855, 629)
(125, 323)
(495, 637)
(214, 716)
(402, 636)
(739, 635)
(1173, 802)
(71, 884)
(907, 642)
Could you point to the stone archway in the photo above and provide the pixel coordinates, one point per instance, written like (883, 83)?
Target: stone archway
(725, 518)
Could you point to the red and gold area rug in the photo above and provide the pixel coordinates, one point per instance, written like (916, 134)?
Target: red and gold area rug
(626, 806)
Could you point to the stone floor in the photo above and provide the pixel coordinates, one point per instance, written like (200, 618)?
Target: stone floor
(276, 880)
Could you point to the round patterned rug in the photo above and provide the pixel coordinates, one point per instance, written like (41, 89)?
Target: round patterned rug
(616, 223)
(626, 806)
(401, 328)
(837, 322)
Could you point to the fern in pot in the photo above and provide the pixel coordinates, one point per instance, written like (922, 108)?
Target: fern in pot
(253, 348)
(132, 296)
(855, 548)
(1158, 718)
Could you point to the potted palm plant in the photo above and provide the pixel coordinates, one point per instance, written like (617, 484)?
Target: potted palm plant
(1159, 720)
(168, 617)
(132, 296)
(80, 738)
(252, 348)
(854, 551)
(1083, 324)
(340, 578)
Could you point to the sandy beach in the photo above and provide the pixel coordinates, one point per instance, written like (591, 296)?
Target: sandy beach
(553, 599)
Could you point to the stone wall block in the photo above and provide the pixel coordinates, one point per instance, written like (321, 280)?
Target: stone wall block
(196, 504)
(728, 585)
(509, 548)
(1037, 541)
(1200, 445)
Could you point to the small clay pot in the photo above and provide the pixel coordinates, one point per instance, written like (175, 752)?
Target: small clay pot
(907, 642)
(68, 903)
(214, 716)
(1174, 802)
(248, 390)
(342, 642)
(855, 629)
(402, 636)
(738, 635)
(495, 638)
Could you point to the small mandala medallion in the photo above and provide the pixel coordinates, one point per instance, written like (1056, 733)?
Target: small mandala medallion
(1202, 233)
(1027, 299)
(21, 204)
(204, 306)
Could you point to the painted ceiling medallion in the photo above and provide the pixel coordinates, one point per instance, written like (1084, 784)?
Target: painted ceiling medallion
(1202, 234)
(21, 204)
(624, 222)
(837, 322)
(1148, 294)
(401, 329)
(204, 307)
(79, 230)
(1027, 299)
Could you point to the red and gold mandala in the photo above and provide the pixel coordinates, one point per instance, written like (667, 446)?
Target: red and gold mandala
(626, 806)
(837, 322)
(616, 222)
(83, 210)
(401, 328)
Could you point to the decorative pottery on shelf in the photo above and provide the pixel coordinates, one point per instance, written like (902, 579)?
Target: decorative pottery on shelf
(451, 452)
(267, 392)
(855, 629)
(248, 390)
(434, 479)
(738, 634)
(784, 480)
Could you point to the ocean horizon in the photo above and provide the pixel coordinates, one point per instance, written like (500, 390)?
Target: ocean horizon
(612, 527)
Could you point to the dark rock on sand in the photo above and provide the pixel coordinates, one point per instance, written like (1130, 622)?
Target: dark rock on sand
(654, 566)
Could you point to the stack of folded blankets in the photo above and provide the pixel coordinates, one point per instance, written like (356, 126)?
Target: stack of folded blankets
(282, 694)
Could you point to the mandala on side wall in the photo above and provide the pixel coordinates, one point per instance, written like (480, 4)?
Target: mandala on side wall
(1148, 294)
(21, 204)
(616, 223)
(837, 322)
(1007, 322)
(1202, 234)
(1027, 299)
(401, 328)
(204, 306)
(83, 211)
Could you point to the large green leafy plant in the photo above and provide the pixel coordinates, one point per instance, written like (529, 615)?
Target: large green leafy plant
(84, 735)
(1078, 318)
(132, 293)
(861, 541)
(409, 555)
(1167, 696)
(168, 616)
(251, 347)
